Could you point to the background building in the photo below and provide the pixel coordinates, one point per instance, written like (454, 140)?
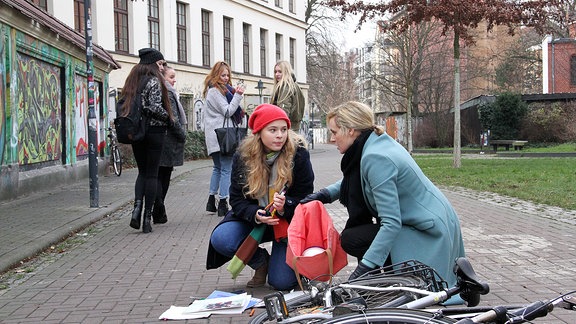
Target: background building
(42, 67)
(251, 35)
(44, 100)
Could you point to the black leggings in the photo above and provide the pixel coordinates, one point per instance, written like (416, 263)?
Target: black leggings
(356, 240)
(147, 154)
(164, 175)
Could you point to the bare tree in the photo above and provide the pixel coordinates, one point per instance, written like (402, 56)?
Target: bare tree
(457, 17)
(330, 70)
(405, 61)
(521, 65)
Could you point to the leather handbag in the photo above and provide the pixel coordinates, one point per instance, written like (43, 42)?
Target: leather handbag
(229, 138)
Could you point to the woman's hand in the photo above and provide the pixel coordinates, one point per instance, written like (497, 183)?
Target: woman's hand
(262, 217)
(239, 89)
(278, 203)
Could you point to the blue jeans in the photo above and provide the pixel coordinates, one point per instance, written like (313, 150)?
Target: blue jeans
(228, 236)
(220, 180)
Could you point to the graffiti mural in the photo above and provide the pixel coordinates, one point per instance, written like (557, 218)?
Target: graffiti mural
(81, 115)
(38, 101)
(2, 95)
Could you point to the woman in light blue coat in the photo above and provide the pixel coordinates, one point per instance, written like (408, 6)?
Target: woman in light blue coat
(395, 212)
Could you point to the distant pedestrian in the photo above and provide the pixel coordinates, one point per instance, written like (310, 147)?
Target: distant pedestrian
(146, 78)
(287, 94)
(222, 101)
(271, 160)
(173, 149)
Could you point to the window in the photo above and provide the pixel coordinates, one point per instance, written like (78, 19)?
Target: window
(205, 38)
(246, 47)
(154, 24)
(263, 52)
(278, 47)
(43, 4)
(292, 52)
(291, 6)
(573, 70)
(181, 31)
(121, 25)
(79, 23)
(227, 40)
(278, 3)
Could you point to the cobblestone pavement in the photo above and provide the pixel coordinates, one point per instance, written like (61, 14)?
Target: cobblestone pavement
(525, 252)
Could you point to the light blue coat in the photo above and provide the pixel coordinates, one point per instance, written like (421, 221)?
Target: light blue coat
(417, 220)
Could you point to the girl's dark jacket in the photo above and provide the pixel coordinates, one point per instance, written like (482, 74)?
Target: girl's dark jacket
(173, 148)
(244, 209)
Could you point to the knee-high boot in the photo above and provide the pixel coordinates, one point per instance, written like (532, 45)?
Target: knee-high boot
(147, 223)
(136, 215)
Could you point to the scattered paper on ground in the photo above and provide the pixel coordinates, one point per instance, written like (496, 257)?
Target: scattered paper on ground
(218, 302)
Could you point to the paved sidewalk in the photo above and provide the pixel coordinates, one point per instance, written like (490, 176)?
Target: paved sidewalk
(120, 275)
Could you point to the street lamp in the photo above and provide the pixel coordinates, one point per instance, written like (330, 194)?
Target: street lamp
(260, 87)
(311, 128)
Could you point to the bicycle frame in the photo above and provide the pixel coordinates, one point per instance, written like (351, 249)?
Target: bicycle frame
(468, 284)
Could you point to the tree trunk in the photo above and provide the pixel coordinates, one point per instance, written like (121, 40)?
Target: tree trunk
(457, 150)
(409, 118)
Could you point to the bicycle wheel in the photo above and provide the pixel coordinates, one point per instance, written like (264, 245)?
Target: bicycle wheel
(116, 160)
(296, 306)
(391, 316)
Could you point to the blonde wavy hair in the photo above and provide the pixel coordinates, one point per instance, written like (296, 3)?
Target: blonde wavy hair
(286, 82)
(253, 154)
(354, 115)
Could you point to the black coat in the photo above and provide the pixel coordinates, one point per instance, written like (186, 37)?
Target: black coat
(173, 148)
(244, 209)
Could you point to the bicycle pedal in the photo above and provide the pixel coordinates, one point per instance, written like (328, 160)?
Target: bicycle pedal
(276, 307)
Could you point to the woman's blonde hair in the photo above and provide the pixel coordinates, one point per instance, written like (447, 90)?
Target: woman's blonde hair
(288, 81)
(354, 115)
(213, 78)
(253, 154)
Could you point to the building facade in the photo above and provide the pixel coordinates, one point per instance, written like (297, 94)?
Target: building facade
(251, 35)
(44, 100)
(42, 58)
(559, 65)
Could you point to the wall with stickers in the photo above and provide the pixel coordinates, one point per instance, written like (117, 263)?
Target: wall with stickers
(44, 108)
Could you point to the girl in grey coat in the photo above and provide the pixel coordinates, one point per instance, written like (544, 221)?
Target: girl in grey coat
(222, 102)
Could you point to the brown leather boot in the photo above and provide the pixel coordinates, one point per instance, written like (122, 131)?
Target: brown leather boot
(259, 278)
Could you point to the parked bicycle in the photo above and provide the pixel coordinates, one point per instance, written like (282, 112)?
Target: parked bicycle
(468, 286)
(115, 156)
(322, 300)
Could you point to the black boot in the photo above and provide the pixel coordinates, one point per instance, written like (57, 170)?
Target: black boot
(159, 214)
(147, 223)
(211, 205)
(222, 207)
(136, 215)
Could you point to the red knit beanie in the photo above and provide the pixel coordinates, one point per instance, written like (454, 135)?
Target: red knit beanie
(264, 115)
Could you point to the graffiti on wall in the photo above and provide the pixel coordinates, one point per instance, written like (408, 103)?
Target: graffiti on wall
(81, 115)
(2, 97)
(38, 98)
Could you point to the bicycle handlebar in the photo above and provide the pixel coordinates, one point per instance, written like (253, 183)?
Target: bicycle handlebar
(500, 314)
